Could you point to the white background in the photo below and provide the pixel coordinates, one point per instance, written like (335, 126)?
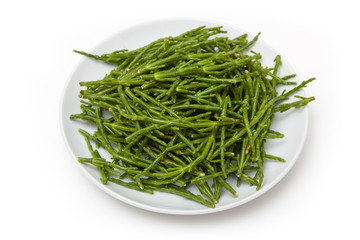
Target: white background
(44, 195)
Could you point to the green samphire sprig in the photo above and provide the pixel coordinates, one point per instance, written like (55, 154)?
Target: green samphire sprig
(194, 109)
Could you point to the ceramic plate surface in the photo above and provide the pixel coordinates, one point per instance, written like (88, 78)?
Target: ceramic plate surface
(292, 123)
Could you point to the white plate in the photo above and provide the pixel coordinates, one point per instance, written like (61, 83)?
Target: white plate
(292, 123)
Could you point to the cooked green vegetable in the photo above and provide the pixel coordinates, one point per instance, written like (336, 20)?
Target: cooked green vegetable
(184, 111)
